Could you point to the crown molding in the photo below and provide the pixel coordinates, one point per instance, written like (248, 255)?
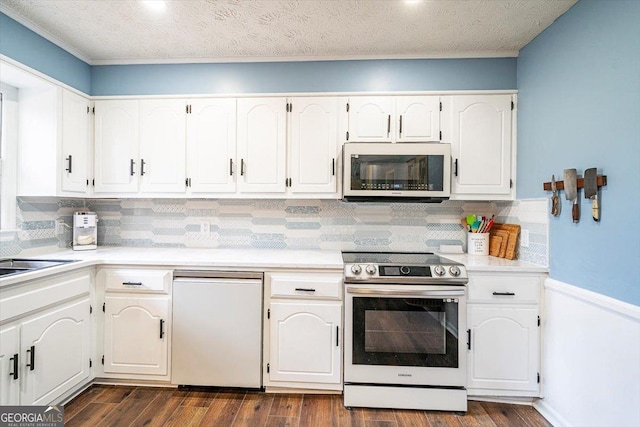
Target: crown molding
(44, 33)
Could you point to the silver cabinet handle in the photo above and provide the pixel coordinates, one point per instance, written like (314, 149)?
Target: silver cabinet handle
(230, 167)
(142, 163)
(131, 165)
(70, 160)
(366, 291)
(388, 124)
(400, 125)
(241, 167)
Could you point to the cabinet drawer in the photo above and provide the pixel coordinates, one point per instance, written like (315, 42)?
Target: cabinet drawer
(136, 280)
(504, 289)
(318, 285)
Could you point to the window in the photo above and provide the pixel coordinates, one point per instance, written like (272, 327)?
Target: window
(8, 148)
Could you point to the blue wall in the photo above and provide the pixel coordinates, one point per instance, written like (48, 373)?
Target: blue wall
(320, 76)
(23, 45)
(579, 106)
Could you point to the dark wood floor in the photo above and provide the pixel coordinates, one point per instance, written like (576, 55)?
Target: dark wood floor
(102, 405)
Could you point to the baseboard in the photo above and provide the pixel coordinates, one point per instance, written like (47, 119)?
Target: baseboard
(526, 401)
(550, 414)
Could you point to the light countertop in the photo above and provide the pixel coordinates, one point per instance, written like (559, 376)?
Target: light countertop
(246, 259)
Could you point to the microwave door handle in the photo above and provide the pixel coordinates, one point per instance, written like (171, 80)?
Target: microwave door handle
(393, 292)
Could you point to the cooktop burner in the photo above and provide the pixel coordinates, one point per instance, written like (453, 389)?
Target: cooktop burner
(402, 268)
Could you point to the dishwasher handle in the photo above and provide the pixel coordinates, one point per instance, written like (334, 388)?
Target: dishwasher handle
(210, 274)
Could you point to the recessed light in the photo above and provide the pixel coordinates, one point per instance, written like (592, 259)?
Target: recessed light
(157, 6)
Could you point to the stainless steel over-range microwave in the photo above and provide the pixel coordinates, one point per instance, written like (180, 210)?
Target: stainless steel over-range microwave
(396, 171)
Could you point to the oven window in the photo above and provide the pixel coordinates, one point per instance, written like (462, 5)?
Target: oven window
(397, 172)
(405, 332)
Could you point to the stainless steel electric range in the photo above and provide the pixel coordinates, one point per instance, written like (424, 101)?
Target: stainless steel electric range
(405, 317)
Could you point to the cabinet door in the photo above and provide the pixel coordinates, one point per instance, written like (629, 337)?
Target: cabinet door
(481, 144)
(417, 118)
(262, 145)
(314, 145)
(57, 345)
(504, 348)
(370, 119)
(162, 146)
(10, 365)
(75, 142)
(211, 145)
(116, 146)
(135, 335)
(305, 342)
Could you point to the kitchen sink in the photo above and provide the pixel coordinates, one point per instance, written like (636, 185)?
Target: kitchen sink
(17, 266)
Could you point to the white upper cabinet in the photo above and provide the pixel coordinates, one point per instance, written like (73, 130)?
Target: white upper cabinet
(313, 145)
(162, 146)
(262, 141)
(417, 118)
(116, 146)
(481, 146)
(53, 142)
(394, 119)
(370, 119)
(211, 146)
(75, 142)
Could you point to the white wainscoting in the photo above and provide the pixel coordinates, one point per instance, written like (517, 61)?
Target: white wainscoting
(591, 359)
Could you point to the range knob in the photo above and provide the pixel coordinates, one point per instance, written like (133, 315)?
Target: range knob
(371, 269)
(405, 270)
(454, 270)
(356, 269)
(439, 270)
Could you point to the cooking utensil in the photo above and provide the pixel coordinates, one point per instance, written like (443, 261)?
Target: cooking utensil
(555, 203)
(571, 192)
(591, 191)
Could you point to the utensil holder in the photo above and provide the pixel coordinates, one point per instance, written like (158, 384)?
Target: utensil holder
(478, 243)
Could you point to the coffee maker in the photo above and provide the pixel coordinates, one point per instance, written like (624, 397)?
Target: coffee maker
(85, 231)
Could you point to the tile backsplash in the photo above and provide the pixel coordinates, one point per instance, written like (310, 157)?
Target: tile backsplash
(272, 224)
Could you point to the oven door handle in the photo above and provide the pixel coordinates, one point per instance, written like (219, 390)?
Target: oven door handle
(392, 292)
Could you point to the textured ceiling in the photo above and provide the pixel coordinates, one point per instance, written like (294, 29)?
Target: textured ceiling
(125, 31)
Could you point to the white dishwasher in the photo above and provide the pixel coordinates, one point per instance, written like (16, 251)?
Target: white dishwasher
(217, 329)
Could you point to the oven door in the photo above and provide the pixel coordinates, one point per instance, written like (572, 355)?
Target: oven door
(404, 334)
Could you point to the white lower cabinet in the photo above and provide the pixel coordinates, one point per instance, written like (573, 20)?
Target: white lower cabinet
(10, 365)
(56, 347)
(304, 330)
(504, 331)
(135, 340)
(136, 331)
(305, 340)
(45, 339)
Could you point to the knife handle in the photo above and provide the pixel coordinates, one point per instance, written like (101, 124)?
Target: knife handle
(555, 206)
(595, 209)
(575, 211)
